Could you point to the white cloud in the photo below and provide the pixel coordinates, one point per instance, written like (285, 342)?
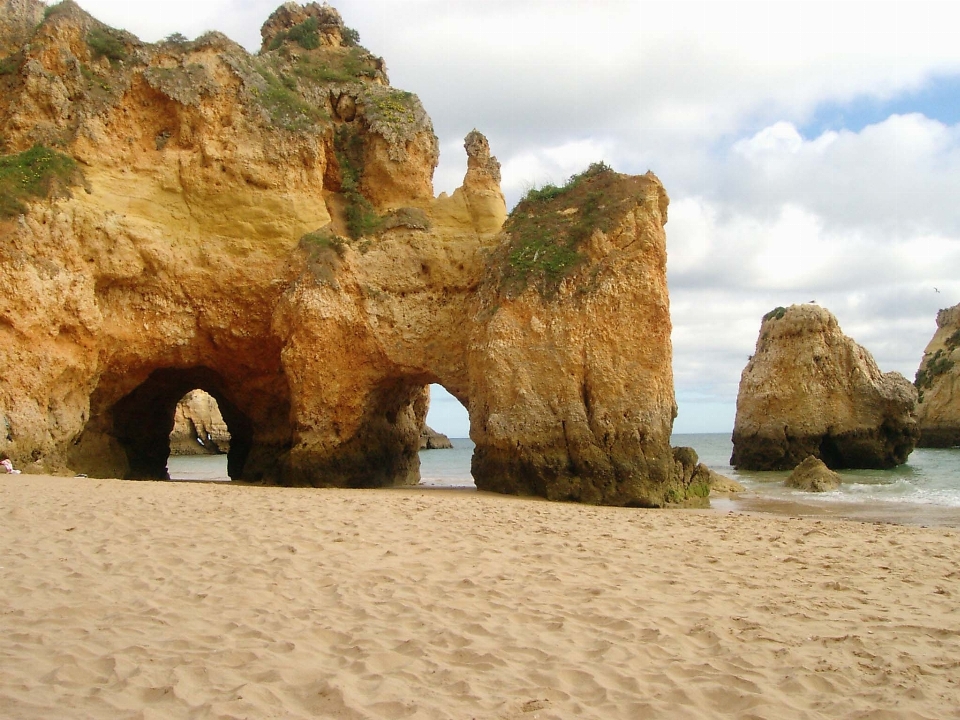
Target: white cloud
(772, 142)
(896, 177)
(543, 165)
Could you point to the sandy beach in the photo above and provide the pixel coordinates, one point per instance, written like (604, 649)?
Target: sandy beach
(195, 600)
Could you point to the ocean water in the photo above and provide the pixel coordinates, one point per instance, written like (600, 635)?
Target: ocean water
(925, 491)
(448, 468)
(438, 468)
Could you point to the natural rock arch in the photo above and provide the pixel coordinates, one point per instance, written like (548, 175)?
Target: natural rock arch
(143, 419)
(265, 228)
(128, 435)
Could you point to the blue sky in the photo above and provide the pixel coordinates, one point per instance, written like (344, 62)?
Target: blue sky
(811, 150)
(937, 99)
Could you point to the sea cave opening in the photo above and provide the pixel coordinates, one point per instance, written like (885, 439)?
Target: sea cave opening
(200, 439)
(446, 466)
(144, 422)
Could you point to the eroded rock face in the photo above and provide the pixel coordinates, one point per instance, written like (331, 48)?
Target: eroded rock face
(291, 16)
(263, 228)
(198, 427)
(938, 384)
(721, 483)
(18, 18)
(572, 356)
(430, 439)
(812, 475)
(811, 390)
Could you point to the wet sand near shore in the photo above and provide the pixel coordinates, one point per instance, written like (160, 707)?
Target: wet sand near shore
(872, 512)
(215, 600)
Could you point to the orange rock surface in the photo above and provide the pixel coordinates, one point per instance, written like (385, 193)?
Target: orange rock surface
(264, 228)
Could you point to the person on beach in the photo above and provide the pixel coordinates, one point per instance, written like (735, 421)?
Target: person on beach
(8, 467)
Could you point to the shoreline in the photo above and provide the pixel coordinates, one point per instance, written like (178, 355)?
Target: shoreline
(450, 468)
(889, 512)
(747, 503)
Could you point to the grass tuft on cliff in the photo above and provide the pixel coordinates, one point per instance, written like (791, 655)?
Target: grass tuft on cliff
(335, 66)
(279, 97)
(51, 10)
(936, 366)
(105, 42)
(775, 314)
(550, 224)
(324, 252)
(953, 342)
(306, 35)
(34, 174)
(361, 217)
(10, 65)
(320, 240)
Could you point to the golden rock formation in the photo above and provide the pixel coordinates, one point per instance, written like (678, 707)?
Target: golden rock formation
(812, 475)
(189, 216)
(198, 427)
(938, 382)
(811, 390)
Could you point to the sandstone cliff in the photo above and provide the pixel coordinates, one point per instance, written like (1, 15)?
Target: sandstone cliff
(188, 216)
(938, 383)
(198, 427)
(200, 169)
(572, 356)
(811, 390)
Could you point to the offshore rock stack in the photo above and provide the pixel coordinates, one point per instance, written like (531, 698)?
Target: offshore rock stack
(809, 390)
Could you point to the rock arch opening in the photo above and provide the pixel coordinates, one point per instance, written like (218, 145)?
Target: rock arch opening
(143, 421)
(200, 439)
(446, 455)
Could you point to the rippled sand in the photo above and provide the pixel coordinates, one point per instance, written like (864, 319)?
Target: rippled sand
(186, 600)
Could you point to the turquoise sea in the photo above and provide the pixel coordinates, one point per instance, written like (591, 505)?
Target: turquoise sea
(925, 491)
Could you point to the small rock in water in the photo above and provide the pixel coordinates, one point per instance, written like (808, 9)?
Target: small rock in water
(812, 475)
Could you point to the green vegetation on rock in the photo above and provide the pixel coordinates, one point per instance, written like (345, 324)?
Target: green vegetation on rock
(105, 42)
(953, 342)
(176, 38)
(33, 174)
(335, 67)
(937, 365)
(775, 314)
(287, 109)
(316, 242)
(361, 218)
(549, 225)
(9, 65)
(324, 250)
(51, 10)
(306, 35)
(351, 38)
(394, 107)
